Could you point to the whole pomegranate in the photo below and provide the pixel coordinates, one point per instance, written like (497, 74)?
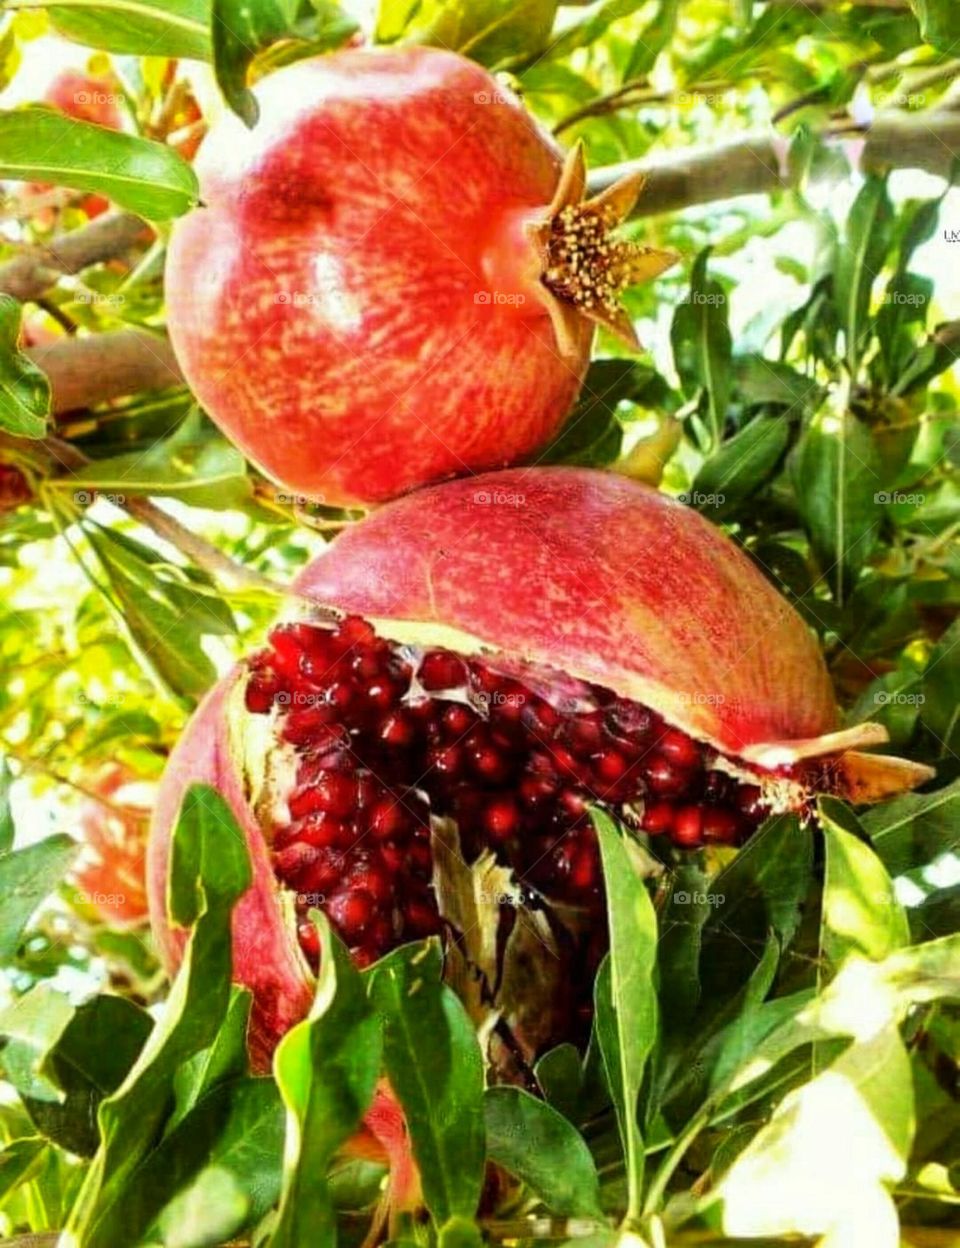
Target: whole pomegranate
(505, 651)
(393, 278)
(110, 872)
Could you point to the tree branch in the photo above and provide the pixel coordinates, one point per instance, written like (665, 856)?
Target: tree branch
(90, 369)
(757, 163)
(36, 269)
(201, 552)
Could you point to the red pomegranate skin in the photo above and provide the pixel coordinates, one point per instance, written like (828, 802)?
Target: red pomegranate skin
(346, 302)
(267, 959)
(599, 576)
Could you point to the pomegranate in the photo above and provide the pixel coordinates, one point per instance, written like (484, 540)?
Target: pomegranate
(394, 277)
(112, 824)
(87, 98)
(495, 655)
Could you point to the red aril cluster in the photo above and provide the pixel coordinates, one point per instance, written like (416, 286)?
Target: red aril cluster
(384, 735)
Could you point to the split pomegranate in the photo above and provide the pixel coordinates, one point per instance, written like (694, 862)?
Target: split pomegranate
(393, 278)
(506, 651)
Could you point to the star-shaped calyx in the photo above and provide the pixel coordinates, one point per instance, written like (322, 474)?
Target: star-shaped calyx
(584, 267)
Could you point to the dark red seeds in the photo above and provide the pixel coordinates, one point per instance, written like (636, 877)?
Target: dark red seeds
(383, 739)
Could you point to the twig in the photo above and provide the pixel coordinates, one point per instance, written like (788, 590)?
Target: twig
(36, 269)
(753, 165)
(90, 369)
(201, 552)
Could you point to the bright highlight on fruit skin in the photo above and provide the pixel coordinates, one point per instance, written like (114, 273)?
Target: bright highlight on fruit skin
(394, 277)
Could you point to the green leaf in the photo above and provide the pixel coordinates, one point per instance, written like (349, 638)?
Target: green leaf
(144, 177)
(26, 877)
(434, 1064)
(493, 32)
(939, 23)
(913, 830)
(702, 346)
(20, 1162)
(7, 829)
(537, 1145)
(225, 1059)
(88, 1061)
(24, 389)
(838, 490)
(627, 1037)
(940, 711)
(242, 28)
(208, 843)
(138, 27)
(861, 914)
(195, 465)
(230, 1142)
(744, 463)
(762, 889)
(32, 1026)
(860, 257)
(326, 1068)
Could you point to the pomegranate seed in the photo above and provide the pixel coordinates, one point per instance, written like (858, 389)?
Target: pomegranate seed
(679, 748)
(356, 631)
(489, 763)
(720, 825)
(584, 869)
(664, 776)
(322, 830)
(336, 793)
(657, 818)
(458, 720)
(501, 818)
(421, 917)
(750, 802)
(351, 912)
(309, 938)
(610, 765)
(688, 826)
(399, 729)
(439, 669)
(389, 820)
(260, 693)
(537, 790)
(368, 879)
(447, 762)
